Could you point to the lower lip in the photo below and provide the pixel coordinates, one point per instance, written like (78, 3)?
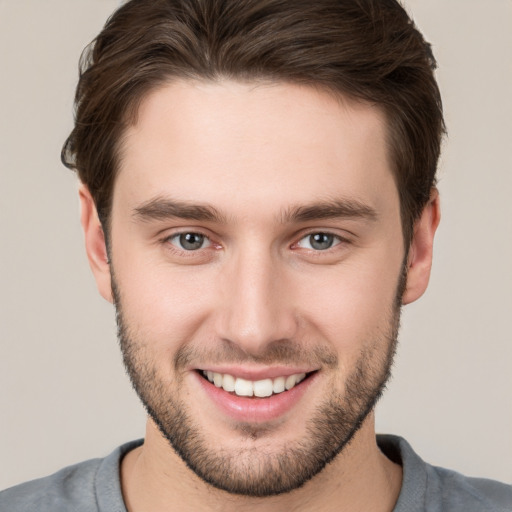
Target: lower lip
(255, 410)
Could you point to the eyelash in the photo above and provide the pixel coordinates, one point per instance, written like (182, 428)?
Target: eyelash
(200, 255)
(184, 233)
(338, 240)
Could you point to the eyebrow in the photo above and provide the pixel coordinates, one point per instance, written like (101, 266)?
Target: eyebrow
(331, 209)
(159, 208)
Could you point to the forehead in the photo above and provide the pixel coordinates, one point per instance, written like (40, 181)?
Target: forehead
(251, 145)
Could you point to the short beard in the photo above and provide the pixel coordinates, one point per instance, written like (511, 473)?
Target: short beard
(253, 471)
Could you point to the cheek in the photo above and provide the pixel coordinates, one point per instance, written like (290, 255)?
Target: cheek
(352, 305)
(162, 306)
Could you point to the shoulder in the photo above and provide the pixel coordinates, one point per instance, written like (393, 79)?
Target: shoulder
(427, 487)
(90, 486)
(71, 488)
(460, 492)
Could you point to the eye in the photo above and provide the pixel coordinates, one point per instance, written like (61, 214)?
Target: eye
(189, 241)
(319, 241)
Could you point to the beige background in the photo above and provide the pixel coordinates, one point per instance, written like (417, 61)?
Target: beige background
(63, 393)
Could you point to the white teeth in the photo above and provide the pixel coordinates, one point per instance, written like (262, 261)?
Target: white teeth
(217, 379)
(291, 380)
(263, 388)
(244, 387)
(278, 385)
(259, 388)
(228, 383)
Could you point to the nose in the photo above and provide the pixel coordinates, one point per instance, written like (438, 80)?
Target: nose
(257, 302)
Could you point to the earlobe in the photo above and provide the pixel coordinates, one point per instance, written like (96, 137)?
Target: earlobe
(419, 262)
(95, 244)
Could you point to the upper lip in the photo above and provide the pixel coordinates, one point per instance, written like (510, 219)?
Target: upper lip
(255, 373)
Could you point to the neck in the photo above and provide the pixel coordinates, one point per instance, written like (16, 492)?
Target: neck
(361, 478)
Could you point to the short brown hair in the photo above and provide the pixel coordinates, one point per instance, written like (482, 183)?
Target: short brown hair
(366, 49)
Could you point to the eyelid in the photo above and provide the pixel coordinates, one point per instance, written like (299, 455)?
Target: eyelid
(197, 255)
(336, 241)
(166, 239)
(188, 232)
(168, 233)
(341, 239)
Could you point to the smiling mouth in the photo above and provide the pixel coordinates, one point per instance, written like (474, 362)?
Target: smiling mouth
(249, 388)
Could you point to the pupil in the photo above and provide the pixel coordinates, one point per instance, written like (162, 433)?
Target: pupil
(321, 241)
(191, 241)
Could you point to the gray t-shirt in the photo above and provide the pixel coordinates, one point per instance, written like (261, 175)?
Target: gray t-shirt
(94, 486)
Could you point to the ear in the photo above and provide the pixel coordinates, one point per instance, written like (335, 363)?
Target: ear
(95, 245)
(419, 259)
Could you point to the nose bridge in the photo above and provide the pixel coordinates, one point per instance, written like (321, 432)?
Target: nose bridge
(256, 311)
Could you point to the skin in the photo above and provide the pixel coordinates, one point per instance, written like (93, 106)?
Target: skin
(254, 151)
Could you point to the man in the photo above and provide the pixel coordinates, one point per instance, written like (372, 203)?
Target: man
(258, 200)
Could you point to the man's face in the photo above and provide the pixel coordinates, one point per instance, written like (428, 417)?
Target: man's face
(256, 242)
